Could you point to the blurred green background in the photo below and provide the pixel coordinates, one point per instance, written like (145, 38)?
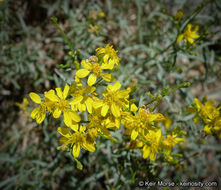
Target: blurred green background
(32, 51)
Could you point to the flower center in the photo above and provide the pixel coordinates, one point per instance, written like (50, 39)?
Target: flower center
(63, 104)
(96, 69)
(77, 138)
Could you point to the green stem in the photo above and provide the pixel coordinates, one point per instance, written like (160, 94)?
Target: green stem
(195, 13)
(159, 99)
(98, 82)
(55, 21)
(164, 50)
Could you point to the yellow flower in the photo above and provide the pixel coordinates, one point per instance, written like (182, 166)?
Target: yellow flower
(38, 113)
(197, 109)
(23, 105)
(109, 56)
(94, 15)
(152, 150)
(141, 122)
(167, 122)
(96, 122)
(101, 14)
(217, 126)
(76, 140)
(63, 105)
(170, 142)
(93, 28)
(114, 100)
(92, 67)
(209, 114)
(179, 14)
(189, 35)
(83, 97)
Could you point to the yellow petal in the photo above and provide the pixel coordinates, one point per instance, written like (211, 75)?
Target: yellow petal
(104, 110)
(188, 28)
(195, 36)
(106, 57)
(111, 63)
(115, 110)
(124, 93)
(106, 66)
(35, 97)
(92, 79)
(82, 73)
(146, 151)
(64, 140)
(67, 118)
(196, 28)
(89, 147)
(81, 107)
(66, 90)
(50, 95)
(40, 117)
(133, 108)
(64, 132)
(56, 113)
(190, 40)
(59, 93)
(76, 100)
(74, 116)
(86, 65)
(198, 104)
(158, 135)
(134, 134)
(89, 104)
(97, 104)
(153, 156)
(76, 150)
(34, 113)
(74, 127)
(180, 37)
(114, 87)
(108, 77)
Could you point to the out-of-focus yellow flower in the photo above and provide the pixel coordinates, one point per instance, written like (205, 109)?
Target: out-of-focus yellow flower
(94, 70)
(94, 15)
(76, 140)
(109, 56)
(170, 142)
(38, 113)
(93, 28)
(189, 34)
(167, 122)
(209, 114)
(101, 14)
(23, 106)
(179, 14)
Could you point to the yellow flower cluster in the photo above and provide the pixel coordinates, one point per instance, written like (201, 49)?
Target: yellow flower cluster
(105, 112)
(144, 130)
(209, 114)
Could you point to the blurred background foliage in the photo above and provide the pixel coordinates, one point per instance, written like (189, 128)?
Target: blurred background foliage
(33, 57)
